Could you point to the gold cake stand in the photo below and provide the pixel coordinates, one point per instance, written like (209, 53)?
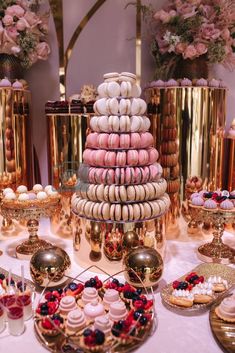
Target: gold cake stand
(30, 211)
(216, 250)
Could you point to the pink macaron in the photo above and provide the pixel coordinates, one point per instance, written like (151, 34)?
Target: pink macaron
(128, 175)
(146, 139)
(92, 140)
(132, 157)
(153, 155)
(98, 157)
(143, 157)
(124, 141)
(117, 175)
(153, 172)
(91, 175)
(87, 155)
(121, 159)
(146, 174)
(110, 159)
(122, 176)
(108, 176)
(113, 141)
(103, 140)
(98, 175)
(135, 140)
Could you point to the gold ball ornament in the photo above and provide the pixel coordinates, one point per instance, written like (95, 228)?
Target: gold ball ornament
(143, 263)
(49, 264)
(130, 240)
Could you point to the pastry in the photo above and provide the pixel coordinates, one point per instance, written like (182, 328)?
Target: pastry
(202, 293)
(117, 311)
(103, 324)
(218, 284)
(93, 341)
(75, 321)
(182, 297)
(50, 326)
(67, 304)
(93, 309)
(226, 309)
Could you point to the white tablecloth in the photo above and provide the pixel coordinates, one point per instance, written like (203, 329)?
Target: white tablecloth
(175, 333)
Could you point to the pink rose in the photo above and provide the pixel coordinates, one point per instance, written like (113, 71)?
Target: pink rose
(15, 49)
(33, 58)
(208, 31)
(162, 15)
(180, 48)
(12, 33)
(32, 19)
(187, 10)
(43, 50)
(15, 10)
(190, 52)
(225, 34)
(7, 20)
(201, 48)
(22, 24)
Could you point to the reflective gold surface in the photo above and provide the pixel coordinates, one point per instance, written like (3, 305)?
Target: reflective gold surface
(15, 144)
(49, 265)
(147, 264)
(200, 121)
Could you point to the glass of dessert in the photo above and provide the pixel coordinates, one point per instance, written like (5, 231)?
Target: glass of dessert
(14, 314)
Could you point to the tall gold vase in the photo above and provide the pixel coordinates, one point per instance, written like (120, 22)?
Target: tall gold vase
(194, 119)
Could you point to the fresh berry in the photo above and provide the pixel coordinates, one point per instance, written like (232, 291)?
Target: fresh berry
(137, 314)
(20, 287)
(73, 286)
(87, 332)
(138, 304)
(139, 291)
(175, 284)
(99, 337)
(46, 323)
(183, 285)
(115, 281)
(2, 276)
(143, 320)
(58, 318)
(144, 299)
(60, 291)
(92, 282)
(116, 330)
(87, 284)
(128, 295)
(89, 340)
(135, 296)
(67, 348)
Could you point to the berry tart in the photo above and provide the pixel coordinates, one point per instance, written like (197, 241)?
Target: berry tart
(51, 325)
(93, 340)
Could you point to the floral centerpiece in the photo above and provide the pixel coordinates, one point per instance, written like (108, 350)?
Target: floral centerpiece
(191, 29)
(23, 31)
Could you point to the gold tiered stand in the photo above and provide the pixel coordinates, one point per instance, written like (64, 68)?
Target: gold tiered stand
(30, 211)
(216, 250)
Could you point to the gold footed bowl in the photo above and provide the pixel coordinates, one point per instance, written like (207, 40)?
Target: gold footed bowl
(215, 251)
(30, 211)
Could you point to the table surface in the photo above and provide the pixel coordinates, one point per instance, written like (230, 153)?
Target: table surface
(175, 333)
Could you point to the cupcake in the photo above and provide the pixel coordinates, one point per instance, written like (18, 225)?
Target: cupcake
(51, 326)
(172, 83)
(214, 83)
(226, 205)
(201, 82)
(186, 82)
(226, 309)
(67, 304)
(198, 201)
(158, 83)
(75, 321)
(195, 194)
(210, 204)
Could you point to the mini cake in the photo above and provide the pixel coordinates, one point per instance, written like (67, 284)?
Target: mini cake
(93, 309)
(218, 284)
(103, 324)
(226, 205)
(67, 304)
(210, 204)
(198, 201)
(181, 297)
(186, 82)
(203, 293)
(214, 83)
(50, 326)
(110, 296)
(172, 83)
(226, 309)
(202, 82)
(89, 294)
(75, 321)
(117, 311)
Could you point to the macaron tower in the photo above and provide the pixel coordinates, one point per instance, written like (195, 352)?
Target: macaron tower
(120, 178)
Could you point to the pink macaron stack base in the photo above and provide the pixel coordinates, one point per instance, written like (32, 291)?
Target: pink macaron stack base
(121, 180)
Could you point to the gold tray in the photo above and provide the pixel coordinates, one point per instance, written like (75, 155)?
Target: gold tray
(224, 332)
(18, 278)
(55, 344)
(205, 270)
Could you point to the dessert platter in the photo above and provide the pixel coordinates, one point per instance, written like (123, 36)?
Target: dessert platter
(30, 206)
(120, 180)
(198, 289)
(218, 209)
(222, 322)
(95, 316)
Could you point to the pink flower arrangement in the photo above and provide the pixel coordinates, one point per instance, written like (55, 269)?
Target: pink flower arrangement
(189, 29)
(23, 31)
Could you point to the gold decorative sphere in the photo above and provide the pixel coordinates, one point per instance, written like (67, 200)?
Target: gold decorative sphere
(49, 264)
(143, 263)
(130, 240)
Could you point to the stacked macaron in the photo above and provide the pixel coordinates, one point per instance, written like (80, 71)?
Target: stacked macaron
(120, 178)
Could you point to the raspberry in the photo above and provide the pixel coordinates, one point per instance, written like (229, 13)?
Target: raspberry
(57, 322)
(138, 304)
(175, 284)
(89, 340)
(47, 324)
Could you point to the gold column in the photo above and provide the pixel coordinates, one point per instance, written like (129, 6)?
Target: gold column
(198, 115)
(15, 143)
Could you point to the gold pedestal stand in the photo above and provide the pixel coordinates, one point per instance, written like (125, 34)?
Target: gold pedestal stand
(216, 251)
(31, 212)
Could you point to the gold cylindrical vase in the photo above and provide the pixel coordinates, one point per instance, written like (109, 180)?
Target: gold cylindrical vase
(66, 143)
(15, 140)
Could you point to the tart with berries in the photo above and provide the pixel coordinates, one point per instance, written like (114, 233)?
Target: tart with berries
(47, 308)
(51, 325)
(93, 340)
(74, 289)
